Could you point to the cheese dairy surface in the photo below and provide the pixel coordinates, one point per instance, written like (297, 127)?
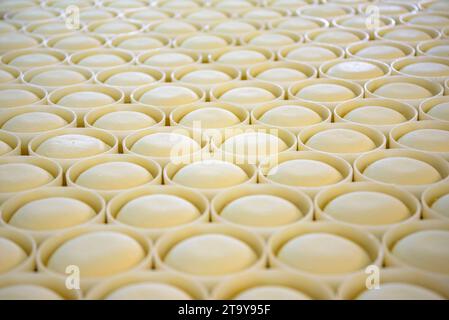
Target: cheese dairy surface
(131, 147)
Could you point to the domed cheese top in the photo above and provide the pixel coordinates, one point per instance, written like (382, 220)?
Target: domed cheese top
(304, 173)
(358, 22)
(281, 75)
(254, 143)
(402, 171)
(124, 120)
(311, 53)
(27, 292)
(34, 122)
(169, 96)
(399, 291)
(324, 11)
(204, 42)
(440, 111)
(16, 98)
(16, 41)
(140, 43)
(148, 291)
(158, 211)
(340, 141)
(352, 70)
(408, 34)
(58, 77)
(261, 211)
(165, 144)
(375, 115)
(114, 176)
(325, 92)
(206, 77)
(210, 254)
(77, 42)
(425, 249)
(12, 255)
(426, 69)
(433, 140)
(298, 24)
(174, 27)
(206, 14)
(380, 52)
(5, 76)
(262, 14)
(323, 253)
(33, 60)
(101, 60)
(402, 90)
(210, 117)
(169, 59)
(271, 40)
(115, 27)
(15, 177)
(46, 214)
(85, 99)
(336, 37)
(247, 95)
(71, 146)
(131, 78)
(271, 292)
(234, 27)
(367, 208)
(290, 116)
(439, 51)
(441, 205)
(242, 57)
(97, 254)
(4, 148)
(210, 175)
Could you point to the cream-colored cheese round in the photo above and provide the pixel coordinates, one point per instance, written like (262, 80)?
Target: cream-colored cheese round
(210, 175)
(407, 35)
(325, 92)
(271, 292)
(46, 214)
(131, 78)
(50, 28)
(440, 111)
(210, 117)
(336, 37)
(297, 24)
(6, 27)
(91, 15)
(163, 144)
(58, 77)
(234, 27)
(15, 177)
(441, 205)
(233, 5)
(114, 176)
(323, 253)
(148, 291)
(290, 116)
(115, 27)
(439, 51)
(281, 74)
(179, 5)
(271, 40)
(206, 77)
(17, 97)
(12, 255)
(33, 60)
(247, 95)
(206, 15)
(311, 54)
(169, 59)
(100, 253)
(124, 120)
(380, 52)
(5, 76)
(174, 27)
(352, 70)
(34, 122)
(34, 14)
(4, 148)
(101, 60)
(157, 211)
(375, 115)
(85, 99)
(358, 22)
(140, 43)
(434, 140)
(402, 170)
(261, 211)
(210, 254)
(169, 96)
(262, 14)
(241, 57)
(305, 173)
(71, 146)
(254, 143)
(399, 291)
(341, 141)
(16, 41)
(403, 90)
(204, 42)
(367, 208)
(77, 42)
(27, 292)
(426, 69)
(324, 11)
(426, 249)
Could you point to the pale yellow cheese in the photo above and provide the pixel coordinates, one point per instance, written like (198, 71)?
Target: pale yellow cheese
(433, 140)
(17, 97)
(169, 96)
(271, 292)
(27, 292)
(15, 177)
(247, 95)
(206, 77)
(281, 75)
(101, 60)
(440, 111)
(12, 255)
(290, 116)
(4, 148)
(148, 291)
(34, 122)
(169, 59)
(210, 117)
(311, 54)
(254, 143)
(130, 78)
(402, 90)
(58, 77)
(355, 70)
(441, 205)
(375, 115)
(124, 120)
(165, 144)
(85, 99)
(241, 57)
(340, 141)
(380, 52)
(399, 291)
(325, 92)
(71, 146)
(33, 60)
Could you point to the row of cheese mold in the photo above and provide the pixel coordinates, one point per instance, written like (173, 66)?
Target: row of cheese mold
(154, 285)
(419, 245)
(272, 285)
(154, 210)
(19, 173)
(10, 144)
(292, 115)
(403, 89)
(433, 48)
(34, 286)
(108, 175)
(16, 95)
(100, 59)
(314, 54)
(12, 41)
(383, 206)
(361, 23)
(30, 121)
(84, 97)
(378, 113)
(437, 20)
(435, 201)
(31, 58)
(167, 144)
(18, 251)
(430, 68)
(261, 208)
(428, 136)
(411, 35)
(116, 250)
(124, 119)
(434, 109)
(67, 146)
(306, 171)
(240, 250)
(380, 50)
(53, 77)
(9, 74)
(418, 170)
(38, 212)
(326, 251)
(394, 284)
(76, 42)
(326, 91)
(282, 73)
